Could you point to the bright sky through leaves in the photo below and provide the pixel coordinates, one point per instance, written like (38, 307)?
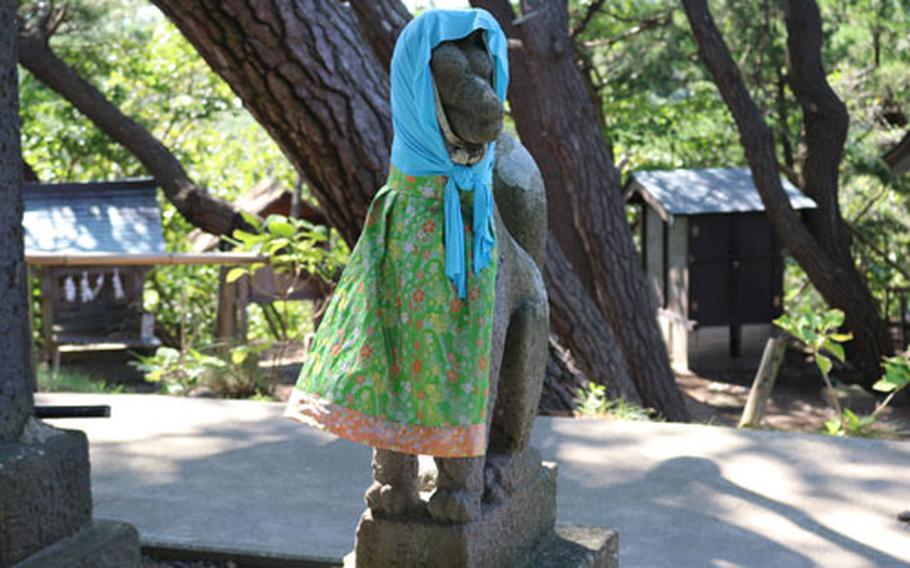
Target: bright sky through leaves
(414, 4)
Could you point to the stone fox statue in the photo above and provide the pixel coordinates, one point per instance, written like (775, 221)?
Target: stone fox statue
(435, 341)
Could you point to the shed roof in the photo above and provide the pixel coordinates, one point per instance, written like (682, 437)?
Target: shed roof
(108, 217)
(707, 190)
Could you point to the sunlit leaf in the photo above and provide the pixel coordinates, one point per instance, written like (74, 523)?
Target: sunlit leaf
(835, 349)
(235, 274)
(824, 364)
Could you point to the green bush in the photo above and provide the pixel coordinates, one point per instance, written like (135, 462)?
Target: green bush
(592, 401)
(818, 332)
(235, 375)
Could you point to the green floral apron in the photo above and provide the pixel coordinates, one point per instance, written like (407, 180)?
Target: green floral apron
(399, 361)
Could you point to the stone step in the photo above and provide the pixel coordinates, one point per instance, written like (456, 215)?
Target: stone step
(577, 547)
(103, 544)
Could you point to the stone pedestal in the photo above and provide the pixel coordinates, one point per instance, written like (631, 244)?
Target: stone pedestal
(504, 534)
(46, 501)
(515, 532)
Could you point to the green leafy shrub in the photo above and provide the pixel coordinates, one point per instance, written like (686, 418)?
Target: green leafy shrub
(592, 401)
(293, 246)
(818, 332)
(180, 372)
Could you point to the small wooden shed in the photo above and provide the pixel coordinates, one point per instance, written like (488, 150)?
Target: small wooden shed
(712, 260)
(93, 307)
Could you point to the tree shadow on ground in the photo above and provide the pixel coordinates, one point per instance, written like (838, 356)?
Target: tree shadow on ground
(278, 487)
(683, 511)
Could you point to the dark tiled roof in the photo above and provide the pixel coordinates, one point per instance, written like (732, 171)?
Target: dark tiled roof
(707, 190)
(108, 217)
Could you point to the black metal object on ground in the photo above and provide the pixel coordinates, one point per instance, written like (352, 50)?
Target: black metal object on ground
(97, 411)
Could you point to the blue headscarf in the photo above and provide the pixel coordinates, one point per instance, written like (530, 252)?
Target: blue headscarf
(418, 147)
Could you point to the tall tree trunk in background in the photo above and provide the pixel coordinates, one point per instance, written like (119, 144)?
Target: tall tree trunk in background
(15, 340)
(821, 245)
(526, 109)
(306, 74)
(193, 202)
(575, 317)
(583, 186)
(380, 22)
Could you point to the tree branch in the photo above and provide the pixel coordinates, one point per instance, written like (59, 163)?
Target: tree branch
(587, 212)
(650, 23)
(582, 25)
(825, 119)
(194, 203)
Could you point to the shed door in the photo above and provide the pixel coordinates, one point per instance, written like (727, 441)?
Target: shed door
(736, 270)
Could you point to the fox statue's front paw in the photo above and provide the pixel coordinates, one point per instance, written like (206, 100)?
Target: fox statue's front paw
(389, 501)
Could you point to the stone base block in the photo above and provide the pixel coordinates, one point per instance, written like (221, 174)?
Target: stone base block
(45, 491)
(577, 547)
(103, 544)
(505, 535)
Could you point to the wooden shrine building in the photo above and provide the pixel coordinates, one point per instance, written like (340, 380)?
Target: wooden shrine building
(712, 260)
(88, 306)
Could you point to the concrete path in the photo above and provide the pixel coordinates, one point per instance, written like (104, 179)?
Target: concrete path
(234, 475)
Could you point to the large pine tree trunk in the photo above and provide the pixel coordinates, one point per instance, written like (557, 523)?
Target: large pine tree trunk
(583, 330)
(528, 114)
(380, 23)
(562, 131)
(15, 340)
(305, 73)
(822, 244)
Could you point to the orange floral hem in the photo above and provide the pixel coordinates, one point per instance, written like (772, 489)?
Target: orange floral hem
(437, 441)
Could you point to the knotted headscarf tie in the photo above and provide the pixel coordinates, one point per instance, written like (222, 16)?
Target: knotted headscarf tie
(484, 240)
(418, 145)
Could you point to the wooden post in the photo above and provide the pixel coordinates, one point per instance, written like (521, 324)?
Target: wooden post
(736, 340)
(231, 319)
(771, 359)
(49, 297)
(33, 350)
(225, 320)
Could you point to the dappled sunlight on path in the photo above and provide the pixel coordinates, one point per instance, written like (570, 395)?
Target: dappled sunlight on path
(235, 475)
